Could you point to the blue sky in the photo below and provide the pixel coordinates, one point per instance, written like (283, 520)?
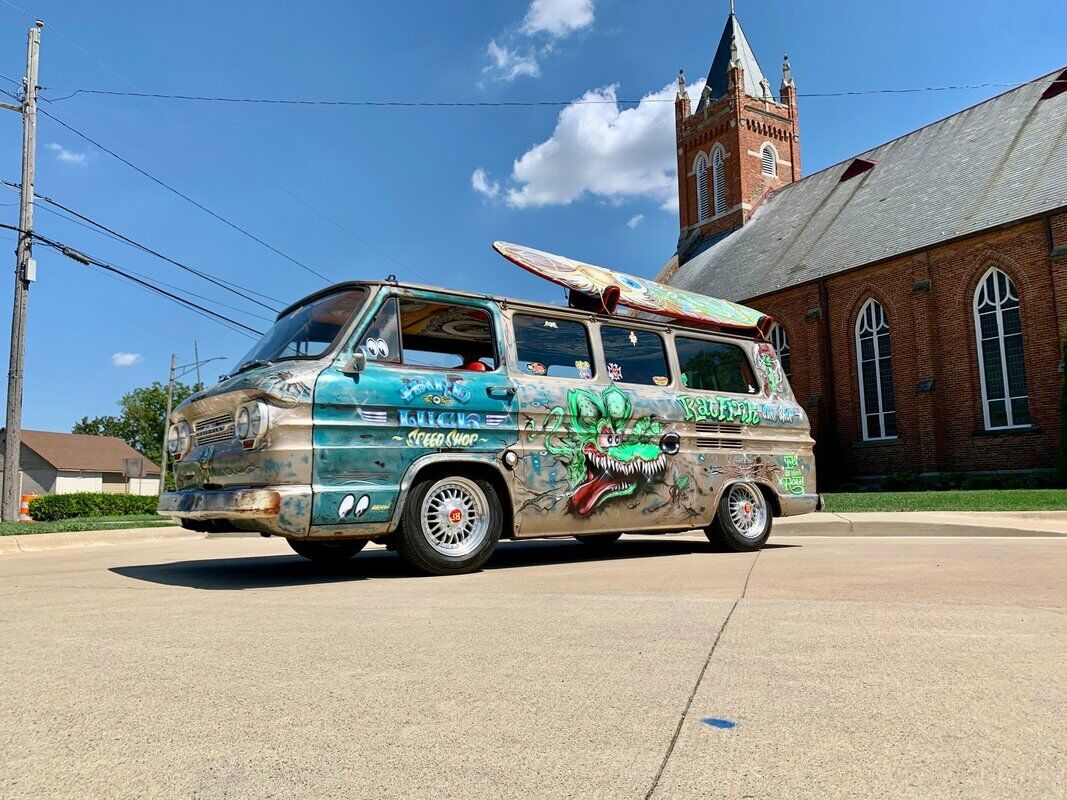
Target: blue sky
(319, 182)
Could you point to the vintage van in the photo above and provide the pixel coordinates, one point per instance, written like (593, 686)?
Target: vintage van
(438, 422)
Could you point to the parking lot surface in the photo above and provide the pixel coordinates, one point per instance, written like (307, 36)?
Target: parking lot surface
(819, 667)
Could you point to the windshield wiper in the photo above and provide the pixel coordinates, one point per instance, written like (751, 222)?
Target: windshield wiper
(251, 364)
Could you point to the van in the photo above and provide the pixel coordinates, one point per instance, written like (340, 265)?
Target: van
(438, 422)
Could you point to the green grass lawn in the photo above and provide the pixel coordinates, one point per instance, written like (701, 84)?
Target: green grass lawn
(962, 500)
(85, 524)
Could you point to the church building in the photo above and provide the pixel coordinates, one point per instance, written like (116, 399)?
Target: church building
(919, 288)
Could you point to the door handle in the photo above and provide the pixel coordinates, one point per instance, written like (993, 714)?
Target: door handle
(500, 392)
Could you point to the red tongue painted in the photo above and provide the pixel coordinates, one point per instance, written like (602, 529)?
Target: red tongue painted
(585, 496)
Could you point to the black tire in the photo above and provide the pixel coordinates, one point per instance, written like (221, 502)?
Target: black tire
(725, 530)
(599, 540)
(415, 539)
(326, 553)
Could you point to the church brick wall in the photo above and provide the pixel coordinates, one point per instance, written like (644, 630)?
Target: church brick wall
(933, 337)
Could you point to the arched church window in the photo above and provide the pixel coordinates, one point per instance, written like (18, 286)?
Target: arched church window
(998, 328)
(718, 175)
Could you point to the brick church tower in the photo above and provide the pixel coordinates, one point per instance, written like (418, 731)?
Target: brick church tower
(740, 145)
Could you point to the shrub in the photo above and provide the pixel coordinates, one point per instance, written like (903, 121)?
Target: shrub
(51, 507)
(900, 482)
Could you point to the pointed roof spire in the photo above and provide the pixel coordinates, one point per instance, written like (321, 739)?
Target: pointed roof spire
(681, 86)
(787, 73)
(733, 47)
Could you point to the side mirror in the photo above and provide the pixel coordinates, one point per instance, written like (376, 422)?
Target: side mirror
(356, 364)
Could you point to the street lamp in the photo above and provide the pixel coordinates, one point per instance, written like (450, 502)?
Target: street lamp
(177, 371)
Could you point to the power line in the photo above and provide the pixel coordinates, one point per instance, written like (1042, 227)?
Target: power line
(92, 224)
(484, 103)
(185, 197)
(86, 259)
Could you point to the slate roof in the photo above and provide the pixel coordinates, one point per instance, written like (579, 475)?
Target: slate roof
(717, 77)
(76, 451)
(1002, 160)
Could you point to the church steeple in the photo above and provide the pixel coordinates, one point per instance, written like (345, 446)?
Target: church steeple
(739, 145)
(733, 49)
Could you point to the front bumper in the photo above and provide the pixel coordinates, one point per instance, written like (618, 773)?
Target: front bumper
(281, 510)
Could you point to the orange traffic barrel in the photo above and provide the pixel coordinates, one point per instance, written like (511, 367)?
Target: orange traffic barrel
(24, 508)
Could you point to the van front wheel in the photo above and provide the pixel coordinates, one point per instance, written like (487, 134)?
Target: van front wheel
(743, 520)
(451, 525)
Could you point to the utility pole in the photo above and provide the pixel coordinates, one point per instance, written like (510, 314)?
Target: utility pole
(25, 274)
(166, 422)
(196, 359)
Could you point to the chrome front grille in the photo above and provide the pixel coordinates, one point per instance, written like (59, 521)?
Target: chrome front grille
(218, 428)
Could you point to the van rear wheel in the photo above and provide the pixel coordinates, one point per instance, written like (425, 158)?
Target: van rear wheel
(328, 553)
(451, 525)
(743, 520)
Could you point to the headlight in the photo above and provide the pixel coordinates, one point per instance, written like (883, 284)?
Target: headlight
(178, 439)
(256, 420)
(243, 423)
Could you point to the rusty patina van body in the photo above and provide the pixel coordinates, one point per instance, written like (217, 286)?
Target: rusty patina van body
(439, 421)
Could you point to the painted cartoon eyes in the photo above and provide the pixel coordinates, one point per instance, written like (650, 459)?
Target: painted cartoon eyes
(377, 348)
(608, 438)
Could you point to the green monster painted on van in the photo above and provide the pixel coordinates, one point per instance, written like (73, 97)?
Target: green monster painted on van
(405, 415)
(606, 455)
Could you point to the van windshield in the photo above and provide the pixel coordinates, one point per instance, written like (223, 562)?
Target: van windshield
(307, 331)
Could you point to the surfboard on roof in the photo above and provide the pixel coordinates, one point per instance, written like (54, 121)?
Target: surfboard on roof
(601, 289)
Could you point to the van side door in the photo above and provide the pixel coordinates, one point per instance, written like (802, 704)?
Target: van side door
(434, 383)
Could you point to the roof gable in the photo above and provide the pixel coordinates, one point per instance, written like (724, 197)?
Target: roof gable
(80, 452)
(1002, 160)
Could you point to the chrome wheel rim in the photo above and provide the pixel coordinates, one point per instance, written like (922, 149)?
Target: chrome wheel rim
(748, 510)
(455, 517)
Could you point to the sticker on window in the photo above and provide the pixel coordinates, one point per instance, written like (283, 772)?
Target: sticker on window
(551, 324)
(535, 368)
(614, 371)
(585, 371)
(633, 338)
(660, 380)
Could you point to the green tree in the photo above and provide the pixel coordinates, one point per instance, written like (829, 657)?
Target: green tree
(140, 420)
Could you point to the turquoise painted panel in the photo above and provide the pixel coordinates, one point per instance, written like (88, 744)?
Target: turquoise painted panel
(370, 427)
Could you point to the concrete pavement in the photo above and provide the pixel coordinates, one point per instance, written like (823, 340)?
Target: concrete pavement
(847, 667)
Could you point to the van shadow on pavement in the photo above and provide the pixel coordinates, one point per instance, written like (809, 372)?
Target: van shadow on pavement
(267, 572)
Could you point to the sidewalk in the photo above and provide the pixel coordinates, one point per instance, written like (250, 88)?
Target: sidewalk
(871, 523)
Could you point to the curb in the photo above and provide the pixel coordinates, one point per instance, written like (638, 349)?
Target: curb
(36, 542)
(905, 524)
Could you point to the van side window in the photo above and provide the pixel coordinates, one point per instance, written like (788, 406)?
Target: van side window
(382, 340)
(635, 356)
(715, 366)
(558, 348)
(446, 336)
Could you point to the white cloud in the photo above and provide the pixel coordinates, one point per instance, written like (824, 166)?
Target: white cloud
(121, 359)
(508, 63)
(558, 18)
(482, 183)
(69, 156)
(518, 51)
(635, 220)
(602, 150)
